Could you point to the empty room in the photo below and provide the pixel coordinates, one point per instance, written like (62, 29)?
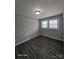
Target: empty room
(39, 29)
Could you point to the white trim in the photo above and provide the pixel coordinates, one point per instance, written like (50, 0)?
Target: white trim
(53, 37)
(25, 40)
(35, 36)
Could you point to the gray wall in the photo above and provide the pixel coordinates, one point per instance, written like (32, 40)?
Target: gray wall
(25, 28)
(54, 33)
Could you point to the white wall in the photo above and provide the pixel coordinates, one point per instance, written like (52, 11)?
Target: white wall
(54, 33)
(25, 28)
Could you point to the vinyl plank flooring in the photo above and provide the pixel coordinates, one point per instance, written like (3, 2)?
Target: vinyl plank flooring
(40, 47)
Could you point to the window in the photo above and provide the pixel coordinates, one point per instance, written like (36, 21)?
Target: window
(49, 24)
(53, 24)
(44, 24)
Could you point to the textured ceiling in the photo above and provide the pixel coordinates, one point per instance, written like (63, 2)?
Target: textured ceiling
(47, 7)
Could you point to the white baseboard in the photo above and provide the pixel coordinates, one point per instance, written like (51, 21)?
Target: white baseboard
(53, 37)
(35, 36)
(25, 40)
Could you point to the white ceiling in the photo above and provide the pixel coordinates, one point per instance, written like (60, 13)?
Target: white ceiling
(46, 7)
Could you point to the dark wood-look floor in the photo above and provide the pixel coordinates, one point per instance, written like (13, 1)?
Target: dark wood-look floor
(40, 47)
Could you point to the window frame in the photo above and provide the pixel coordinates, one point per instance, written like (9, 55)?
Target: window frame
(42, 24)
(49, 24)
